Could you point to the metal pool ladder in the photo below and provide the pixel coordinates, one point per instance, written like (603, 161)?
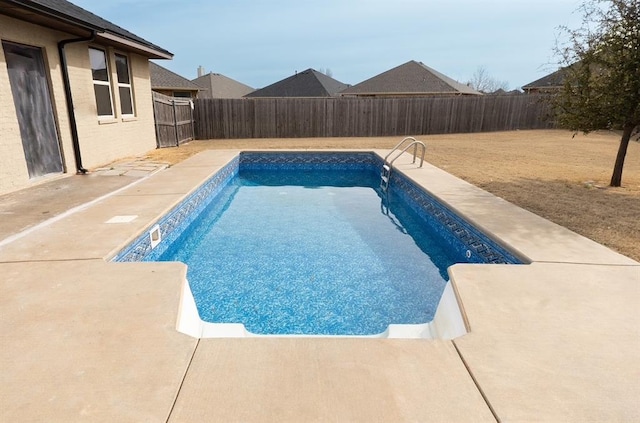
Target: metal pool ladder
(385, 175)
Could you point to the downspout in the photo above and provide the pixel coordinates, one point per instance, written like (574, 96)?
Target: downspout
(67, 91)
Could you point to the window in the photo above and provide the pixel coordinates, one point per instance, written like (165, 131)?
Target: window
(101, 86)
(124, 85)
(182, 94)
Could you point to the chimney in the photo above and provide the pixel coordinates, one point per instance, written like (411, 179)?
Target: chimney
(200, 71)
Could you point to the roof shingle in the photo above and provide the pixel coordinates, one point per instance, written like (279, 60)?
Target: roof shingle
(68, 13)
(553, 80)
(413, 78)
(163, 78)
(308, 83)
(215, 85)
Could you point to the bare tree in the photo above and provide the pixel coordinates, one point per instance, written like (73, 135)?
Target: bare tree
(483, 82)
(326, 71)
(602, 73)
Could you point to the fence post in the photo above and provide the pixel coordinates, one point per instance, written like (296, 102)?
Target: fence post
(175, 122)
(193, 124)
(155, 120)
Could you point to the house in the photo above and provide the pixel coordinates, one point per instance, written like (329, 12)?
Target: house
(215, 85)
(547, 84)
(170, 83)
(75, 91)
(412, 79)
(501, 91)
(309, 83)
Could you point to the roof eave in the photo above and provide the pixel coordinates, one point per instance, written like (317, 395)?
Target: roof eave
(41, 15)
(279, 97)
(42, 10)
(542, 87)
(400, 93)
(148, 51)
(171, 88)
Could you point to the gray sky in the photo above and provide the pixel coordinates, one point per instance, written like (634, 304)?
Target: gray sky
(260, 42)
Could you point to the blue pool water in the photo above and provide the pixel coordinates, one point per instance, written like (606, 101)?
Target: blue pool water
(310, 258)
(305, 243)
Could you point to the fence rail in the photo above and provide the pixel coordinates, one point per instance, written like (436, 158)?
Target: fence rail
(173, 119)
(359, 117)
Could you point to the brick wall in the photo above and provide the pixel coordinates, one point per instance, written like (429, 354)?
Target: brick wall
(101, 141)
(13, 168)
(105, 140)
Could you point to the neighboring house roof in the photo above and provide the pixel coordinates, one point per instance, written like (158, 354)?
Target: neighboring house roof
(553, 81)
(215, 85)
(308, 83)
(411, 78)
(501, 91)
(164, 79)
(65, 16)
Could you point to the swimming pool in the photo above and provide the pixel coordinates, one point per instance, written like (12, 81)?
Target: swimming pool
(350, 279)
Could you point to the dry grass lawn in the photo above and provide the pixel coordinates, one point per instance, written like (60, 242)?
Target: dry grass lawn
(550, 173)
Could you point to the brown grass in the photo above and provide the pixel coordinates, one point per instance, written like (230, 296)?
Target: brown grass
(550, 173)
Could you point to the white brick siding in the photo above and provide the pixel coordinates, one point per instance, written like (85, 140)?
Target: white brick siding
(100, 142)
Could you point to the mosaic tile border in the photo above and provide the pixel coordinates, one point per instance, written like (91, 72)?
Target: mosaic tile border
(173, 223)
(470, 243)
(309, 160)
(465, 239)
(309, 157)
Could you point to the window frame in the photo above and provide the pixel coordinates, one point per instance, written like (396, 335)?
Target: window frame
(182, 94)
(125, 85)
(99, 82)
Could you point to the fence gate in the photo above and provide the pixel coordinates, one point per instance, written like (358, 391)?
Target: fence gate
(174, 120)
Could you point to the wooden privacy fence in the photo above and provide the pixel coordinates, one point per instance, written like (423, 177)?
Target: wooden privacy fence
(360, 117)
(173, 119)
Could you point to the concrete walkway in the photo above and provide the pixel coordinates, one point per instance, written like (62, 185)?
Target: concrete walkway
(88, 340)
(27, 208)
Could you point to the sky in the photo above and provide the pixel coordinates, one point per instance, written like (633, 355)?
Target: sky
(261, 42)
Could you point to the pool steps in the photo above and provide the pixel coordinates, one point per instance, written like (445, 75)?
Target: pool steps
(448, 322)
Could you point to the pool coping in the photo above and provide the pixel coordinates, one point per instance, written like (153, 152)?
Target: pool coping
(447, 323)
(550, 341)
(450, 320)
(562, 251)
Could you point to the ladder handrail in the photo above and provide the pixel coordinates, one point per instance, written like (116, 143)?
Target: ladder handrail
(385, 175)
(415, 145)
(398, 146)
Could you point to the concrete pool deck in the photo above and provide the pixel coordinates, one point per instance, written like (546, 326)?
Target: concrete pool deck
(88, 340)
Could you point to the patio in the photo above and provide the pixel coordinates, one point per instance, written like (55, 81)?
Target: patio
(85, 339)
